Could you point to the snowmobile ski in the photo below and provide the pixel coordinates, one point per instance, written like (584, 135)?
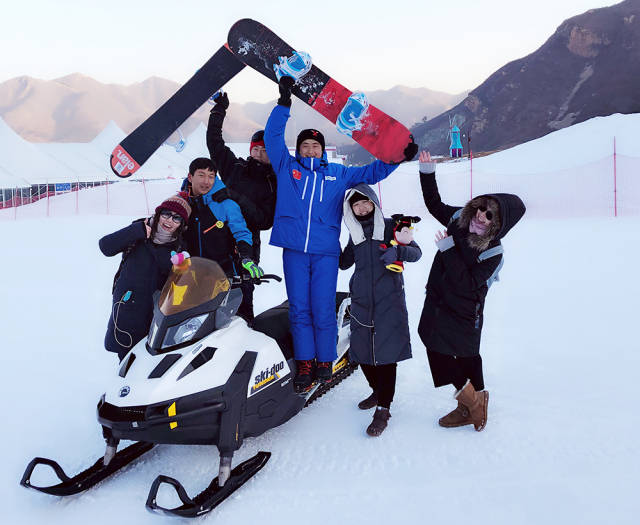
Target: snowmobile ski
(87, 478)
(210, 497)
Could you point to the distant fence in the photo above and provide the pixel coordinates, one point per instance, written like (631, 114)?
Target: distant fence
(109, 197)
(609, 187)
(20, 196)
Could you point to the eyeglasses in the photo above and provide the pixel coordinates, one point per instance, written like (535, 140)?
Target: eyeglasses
(487, 213)
(173, 216)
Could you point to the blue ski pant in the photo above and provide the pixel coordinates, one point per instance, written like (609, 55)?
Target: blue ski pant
(311, 282)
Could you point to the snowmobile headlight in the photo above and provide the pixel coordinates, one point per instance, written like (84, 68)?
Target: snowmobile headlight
(183, 332)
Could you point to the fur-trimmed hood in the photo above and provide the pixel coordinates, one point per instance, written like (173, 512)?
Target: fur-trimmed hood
(507, 209)
(353, 225)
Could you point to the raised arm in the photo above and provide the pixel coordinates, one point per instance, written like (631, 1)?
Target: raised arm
(369, 174)
(440, 211)
(221, 155)
(116, 242)
(276, 125)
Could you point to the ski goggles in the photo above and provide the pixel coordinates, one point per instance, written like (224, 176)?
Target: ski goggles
(173, 216)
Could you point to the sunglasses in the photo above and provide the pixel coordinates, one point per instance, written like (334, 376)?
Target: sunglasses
(487, 213)
(173, 216)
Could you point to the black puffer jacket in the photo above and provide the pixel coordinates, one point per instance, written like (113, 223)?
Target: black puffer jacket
(379, 320)
(452, 317)
(250, 183)
(144, 269)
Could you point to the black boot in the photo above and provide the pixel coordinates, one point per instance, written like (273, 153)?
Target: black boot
(324, 371)
(368, 403)
(304, 376)
(379, 423)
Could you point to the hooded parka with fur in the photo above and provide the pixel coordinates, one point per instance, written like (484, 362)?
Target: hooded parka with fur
(452, 317)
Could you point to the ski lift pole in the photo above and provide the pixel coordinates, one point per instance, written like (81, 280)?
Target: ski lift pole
(146, 197)
(470, 164)
(615, 181)
(471, 174)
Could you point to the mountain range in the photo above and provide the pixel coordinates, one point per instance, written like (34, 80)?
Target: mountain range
(76, 108)
(589, 67)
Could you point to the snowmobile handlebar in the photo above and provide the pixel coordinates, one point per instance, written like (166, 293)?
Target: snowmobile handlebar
(239, 279)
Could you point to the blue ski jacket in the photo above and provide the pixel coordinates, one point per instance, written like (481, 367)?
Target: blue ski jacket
(310, 192)
(228, 211)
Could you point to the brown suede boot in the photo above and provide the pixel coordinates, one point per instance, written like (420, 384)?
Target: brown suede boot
(477, 404)
(458, 417)
(379, 423)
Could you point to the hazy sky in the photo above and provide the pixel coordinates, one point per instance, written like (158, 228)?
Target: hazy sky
(443, 45)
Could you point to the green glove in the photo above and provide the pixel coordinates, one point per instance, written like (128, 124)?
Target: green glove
(254, 271)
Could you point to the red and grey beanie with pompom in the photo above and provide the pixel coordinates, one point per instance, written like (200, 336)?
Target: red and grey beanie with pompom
(177, 204)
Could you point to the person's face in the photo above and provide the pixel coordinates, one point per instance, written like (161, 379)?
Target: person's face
(202, 181)
(311, 148)
(481, 216)
(362, 208)
(260, 154)
(169, 220)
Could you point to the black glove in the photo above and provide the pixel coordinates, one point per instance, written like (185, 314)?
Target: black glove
(221, 103)
(411, 150)
(285, 85)
(221, 195)
(244, 250)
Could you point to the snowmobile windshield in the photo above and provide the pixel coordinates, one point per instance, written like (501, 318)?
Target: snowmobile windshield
(191, 284)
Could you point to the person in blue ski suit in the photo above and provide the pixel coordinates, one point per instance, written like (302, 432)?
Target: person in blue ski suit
(307, 226)
(217, 229)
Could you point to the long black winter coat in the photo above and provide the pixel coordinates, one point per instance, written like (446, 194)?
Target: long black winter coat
(379, 319)
(144, 269)
(250, 183)
(452, 317)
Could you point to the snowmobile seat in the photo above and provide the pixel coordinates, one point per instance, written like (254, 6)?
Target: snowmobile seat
(274, 322)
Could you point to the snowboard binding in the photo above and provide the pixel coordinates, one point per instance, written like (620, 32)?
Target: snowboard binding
(295, 66)
(350, 118)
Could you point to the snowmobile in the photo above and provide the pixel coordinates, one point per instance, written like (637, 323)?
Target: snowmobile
(202, 376)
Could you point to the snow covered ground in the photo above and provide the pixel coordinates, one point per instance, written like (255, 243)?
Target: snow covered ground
(560, 350)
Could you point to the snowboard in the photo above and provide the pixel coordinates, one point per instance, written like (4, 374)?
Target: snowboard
(135, 149)
(259, 47)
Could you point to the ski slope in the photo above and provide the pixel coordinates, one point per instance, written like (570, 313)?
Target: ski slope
(560, 351)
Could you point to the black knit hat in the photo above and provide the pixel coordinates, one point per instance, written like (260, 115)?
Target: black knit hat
(357, 197)
(312, 134)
